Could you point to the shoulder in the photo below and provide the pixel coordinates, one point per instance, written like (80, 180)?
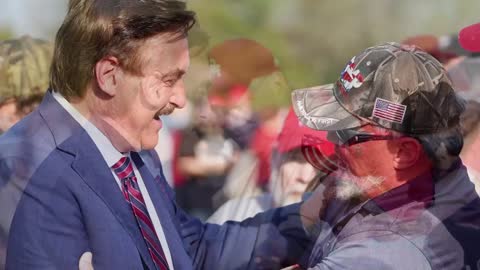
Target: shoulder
(409, 232)
(385, 251)
(24, 147)
(31, 129)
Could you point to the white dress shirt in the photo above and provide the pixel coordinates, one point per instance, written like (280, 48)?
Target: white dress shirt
(111, 155)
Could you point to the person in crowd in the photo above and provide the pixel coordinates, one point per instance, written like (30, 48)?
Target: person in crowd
(291, 172)
(464, 73)
(445, 48)
(24, 64)
(94, 182)
(205, 157)
(394, 118)
(470, 129)
(9, 113)
(233, 65)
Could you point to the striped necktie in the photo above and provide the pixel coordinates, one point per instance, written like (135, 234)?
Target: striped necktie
(124, 170)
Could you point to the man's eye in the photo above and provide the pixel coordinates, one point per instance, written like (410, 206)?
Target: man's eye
(170, 82)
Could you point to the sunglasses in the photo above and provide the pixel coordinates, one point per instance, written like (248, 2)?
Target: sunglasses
(349, 137)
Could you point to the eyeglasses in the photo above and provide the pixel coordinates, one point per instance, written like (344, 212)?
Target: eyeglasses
(349, 137)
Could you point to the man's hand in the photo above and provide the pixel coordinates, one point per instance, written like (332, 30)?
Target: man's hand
(85, 262)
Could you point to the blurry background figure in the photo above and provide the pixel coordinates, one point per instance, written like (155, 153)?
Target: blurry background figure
(471, 131)
(24, 65)
(205, 157)
(444, 48)
(240, 121)
(233, 65)
(246, 75)
(465, 75)
(8, 114)
(291, 172)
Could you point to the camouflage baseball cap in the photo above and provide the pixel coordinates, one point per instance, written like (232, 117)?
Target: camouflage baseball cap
(24, 66)
(391, 85)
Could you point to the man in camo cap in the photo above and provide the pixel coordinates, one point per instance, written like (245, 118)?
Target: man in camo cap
(394, 117)
(24, 65)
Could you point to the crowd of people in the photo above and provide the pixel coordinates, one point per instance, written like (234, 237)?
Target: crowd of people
(109, 164)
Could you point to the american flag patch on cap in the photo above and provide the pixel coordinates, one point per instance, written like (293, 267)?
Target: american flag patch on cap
(389, 111)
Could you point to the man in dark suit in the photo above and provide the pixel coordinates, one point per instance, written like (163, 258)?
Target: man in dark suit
(94, 185)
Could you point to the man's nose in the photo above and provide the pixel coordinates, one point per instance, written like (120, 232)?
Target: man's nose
(179, 98)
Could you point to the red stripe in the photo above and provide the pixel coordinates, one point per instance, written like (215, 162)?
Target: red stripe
(326, 163)
(157, 261)
(128, 170)
(390, 109)
(393, 117)
(395, 106)
(139, 213)
(119, 163)
(156, 248)
(309, 156)
(387, 113)
(135, 193)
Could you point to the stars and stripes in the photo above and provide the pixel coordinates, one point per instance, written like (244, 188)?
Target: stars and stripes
(124, 170)
(389, 111)
(351, 77)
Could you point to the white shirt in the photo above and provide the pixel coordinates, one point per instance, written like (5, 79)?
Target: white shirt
(111, 155)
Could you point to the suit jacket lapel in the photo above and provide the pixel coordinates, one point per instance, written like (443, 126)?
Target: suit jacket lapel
(161, 201)
(92, 168)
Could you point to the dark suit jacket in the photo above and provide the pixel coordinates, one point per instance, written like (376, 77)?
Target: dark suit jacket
(72, 204)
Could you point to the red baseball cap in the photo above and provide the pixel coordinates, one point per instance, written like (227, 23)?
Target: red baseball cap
(469, 38)
(315, 147)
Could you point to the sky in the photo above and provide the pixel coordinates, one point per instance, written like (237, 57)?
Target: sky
(38, 18)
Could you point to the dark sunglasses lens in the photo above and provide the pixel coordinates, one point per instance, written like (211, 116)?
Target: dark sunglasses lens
(341, 137)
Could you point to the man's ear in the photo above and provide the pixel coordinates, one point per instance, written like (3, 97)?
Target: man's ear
(108, 73)
(408, 153)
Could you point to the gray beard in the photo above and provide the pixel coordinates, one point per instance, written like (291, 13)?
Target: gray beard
(350, 187)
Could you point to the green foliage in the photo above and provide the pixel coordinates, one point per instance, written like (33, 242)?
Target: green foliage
(313, 39)
(5, 34)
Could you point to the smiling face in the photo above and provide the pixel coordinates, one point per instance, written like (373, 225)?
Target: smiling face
(131, 117)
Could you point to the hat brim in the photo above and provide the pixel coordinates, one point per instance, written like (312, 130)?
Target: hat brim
(469, 38)
(317, 108)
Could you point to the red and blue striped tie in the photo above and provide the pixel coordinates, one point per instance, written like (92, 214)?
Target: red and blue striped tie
(124, 170)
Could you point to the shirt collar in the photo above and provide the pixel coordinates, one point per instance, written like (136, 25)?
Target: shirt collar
(106, 148)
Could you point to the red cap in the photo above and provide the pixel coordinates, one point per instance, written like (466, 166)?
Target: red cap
(469, 38)
(315, 147)
(234, 94)
(216, 100)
